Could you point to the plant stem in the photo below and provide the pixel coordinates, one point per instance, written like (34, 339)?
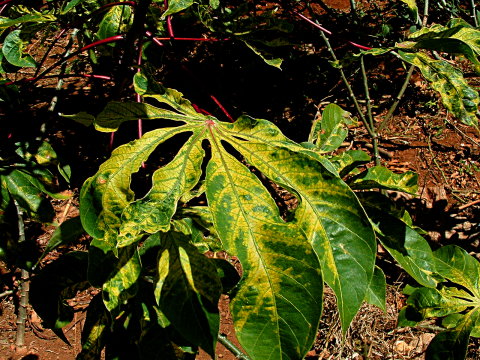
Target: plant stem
(387, 118)
(65, 58)
(369, 112)
(6, 293)
(349, 88)
(330, 33)
(24, 285)
(239, 354)
(134, 35)
(53, 103)
(425, 14)
(474, 13)
(353, 7)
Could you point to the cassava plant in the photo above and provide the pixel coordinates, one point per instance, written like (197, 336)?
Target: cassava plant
(146, 252)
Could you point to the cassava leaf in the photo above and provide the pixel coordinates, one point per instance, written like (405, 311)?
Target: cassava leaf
(330, 130)
(70, 5)
(462, 270)
(406, 246)
(115, 21)
(29, 192)
(457, 96)
(452, 344)
(457, 37)
(278, 301)
(12, 49)
(154, 212)
(276, 310)
(95, 329)
(107, 193)
(122, 282)
(187, 280)
(175, 6)
(329, 213)
(67, 232)
(382, 178)
(36, 17)
(376, 293)
(347, 161)
(268, 59)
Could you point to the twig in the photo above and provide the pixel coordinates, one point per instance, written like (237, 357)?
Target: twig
(6, 293)
(65, 212)
(462, 133)
(222, 338)
(475, 202)
(24, 286)
(474, 13)
(369, 112)
(385, 121)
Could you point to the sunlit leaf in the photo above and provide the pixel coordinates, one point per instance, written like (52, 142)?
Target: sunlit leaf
(382, 178)
(12, 49)
(406, 246)
(457, 96)
(329, 131)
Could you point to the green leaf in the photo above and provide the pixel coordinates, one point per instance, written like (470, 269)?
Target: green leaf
(457, 96)
(457, 37)
(329, 132)
(382, 178)
(278, 304)
(115, 21)
(349, 160)
(456, 265)
(57, 282)
(36, 17)
(412, 5)
(267, 58)
(68, 231)
(12, 49)
(105, 195)
(116, 113)
(452, 344)
(70, 5)
(329, 212)
(154, 212)
(95, 329)
(29, 192)
(377, 290)
(81, 117)
(175, 6)
(459, 296)
(187, 280)
(406, 246)
(122, 282)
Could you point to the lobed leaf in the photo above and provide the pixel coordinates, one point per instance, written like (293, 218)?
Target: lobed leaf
(329, 213)
(12, 49)
(406, 246)
(278, 304)
(105, 195)
(154, 212)
(329, 132)
(187, 290)
(457, 96)
(382, 178)
(376, 293)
